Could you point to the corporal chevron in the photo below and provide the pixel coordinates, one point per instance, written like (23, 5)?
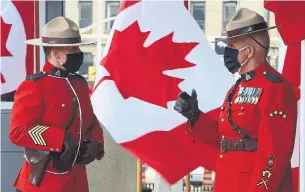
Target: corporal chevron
(36, 134)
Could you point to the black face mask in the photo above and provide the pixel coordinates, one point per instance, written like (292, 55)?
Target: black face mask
(74, 61)
(230, 59)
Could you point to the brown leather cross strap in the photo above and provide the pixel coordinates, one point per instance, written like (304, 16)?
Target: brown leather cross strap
(51, 40)
(238, 145)
(235, 127)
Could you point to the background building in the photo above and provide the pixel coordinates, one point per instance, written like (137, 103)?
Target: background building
(211, 16)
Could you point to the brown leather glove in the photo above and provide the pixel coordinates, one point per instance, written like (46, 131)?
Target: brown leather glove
(69, 148)
(89, 151)
(188, 106)
(63, 161)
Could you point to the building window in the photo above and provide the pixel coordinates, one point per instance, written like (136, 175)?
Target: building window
(85, 14)
(229, 9)
(87, 62)
(198, 12)
(54, 9)
(266, 16)
(112, 8)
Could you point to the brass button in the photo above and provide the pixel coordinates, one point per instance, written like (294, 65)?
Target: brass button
(265, 72)
(222, 119)
(223, 137)
(63, 105)
(221, 156)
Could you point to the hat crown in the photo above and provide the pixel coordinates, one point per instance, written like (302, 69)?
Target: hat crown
(243, 18)
(61, 27)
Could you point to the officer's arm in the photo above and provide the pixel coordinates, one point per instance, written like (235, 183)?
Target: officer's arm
(275, 139)
(25, 127)
(205, 130)
(96, 134)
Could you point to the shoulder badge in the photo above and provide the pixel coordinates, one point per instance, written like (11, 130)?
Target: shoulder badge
(274, 78)
(36, 76)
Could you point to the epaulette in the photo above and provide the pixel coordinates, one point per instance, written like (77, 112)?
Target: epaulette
(274, 78)
(36, 76)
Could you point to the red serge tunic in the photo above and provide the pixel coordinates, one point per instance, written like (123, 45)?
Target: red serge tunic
(264, 105)
(41, 111)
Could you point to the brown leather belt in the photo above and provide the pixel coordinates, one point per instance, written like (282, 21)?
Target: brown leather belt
(238, 145)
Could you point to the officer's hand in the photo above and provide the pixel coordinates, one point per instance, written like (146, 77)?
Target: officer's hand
(68, 151)
(188, 106)
(90, 151)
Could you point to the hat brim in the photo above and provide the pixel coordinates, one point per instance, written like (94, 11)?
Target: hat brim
(38, 42)
(243, 34)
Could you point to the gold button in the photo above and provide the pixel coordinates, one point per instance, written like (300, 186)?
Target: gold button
(265, 72)
(221, 156)
(63, 105)
(222, 119)
(223, 137)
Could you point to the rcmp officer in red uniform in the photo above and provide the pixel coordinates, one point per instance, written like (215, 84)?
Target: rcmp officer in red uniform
(53, 119)
(256, 127)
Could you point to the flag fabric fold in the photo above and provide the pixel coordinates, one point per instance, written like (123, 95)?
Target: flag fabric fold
(290, 16)
(156, 50)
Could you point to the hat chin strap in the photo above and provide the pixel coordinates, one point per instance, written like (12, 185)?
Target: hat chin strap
(60, 63)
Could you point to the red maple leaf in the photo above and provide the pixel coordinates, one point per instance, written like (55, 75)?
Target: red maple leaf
(125, 4)
(5, 30)
(2, 78)
(138, 71)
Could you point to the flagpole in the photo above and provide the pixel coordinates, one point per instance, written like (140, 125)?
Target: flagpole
(139, 175)
(302, 120)
(99, 32)
(188, 183)
(36, 49)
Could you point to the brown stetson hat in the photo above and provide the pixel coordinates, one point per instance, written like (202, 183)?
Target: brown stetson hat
(60, 32)
(245, 22)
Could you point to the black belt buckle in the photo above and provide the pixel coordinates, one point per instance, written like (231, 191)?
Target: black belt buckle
(251, 144)
(223, 143)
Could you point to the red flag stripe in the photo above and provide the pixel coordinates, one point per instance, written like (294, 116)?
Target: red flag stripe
(2, 78)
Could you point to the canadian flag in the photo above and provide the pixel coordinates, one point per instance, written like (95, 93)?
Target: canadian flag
(17, 20)
(291, 16)
(156, 50)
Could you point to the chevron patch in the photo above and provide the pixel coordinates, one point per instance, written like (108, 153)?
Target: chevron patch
(36, 134)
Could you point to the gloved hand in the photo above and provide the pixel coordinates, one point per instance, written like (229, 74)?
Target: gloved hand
(68, 151)
(63, 161)
(89, 151)
(188, 106)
